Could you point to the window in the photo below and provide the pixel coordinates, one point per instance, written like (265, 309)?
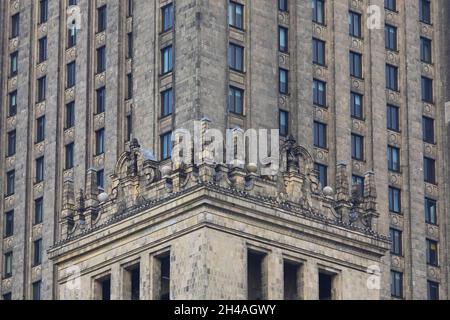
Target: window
(10, 183)
(7, 268)
(163, 263)
(356, 106)
(393, 122)
(42, 49)
(15, 25)
(42, 89)
(8, 228)
(283, 39)
(395, 200)
(283, 5)
(101, 100)
(69, 156)
(37, 290)
(11, 144)
(167, 17)
(103, 288)
(43, 11)
(427, 90)
(357, 147)
(132, 278)
(236, 57)
(12, 104)
(320, 135)
(432, 253)
(129, 124)
(256, 276)
(166, 57)
(101, 59)
(38, 211)
(429, 170)
(393, 155)
(425, 50)
(358, 184)
(322, 172)
(283, 123)
(390, 37)
(71, 74)
(283, 83)
(291, 277)
(14, 64)
(326, 284)
(319, 93)
(397, 284)
(166, 103)
(391, 77)
(166, 146)
(319, 52)
(236, 100)
(355, 64)
(433, 290)
(431, 211)
(7, 296)
(354, 21)
(235, 15)
(130, 8)
(37, 249)
(428, 130)
(425, 11)
(130, 45)
(396, 245)
(70, 115)
(129, 86)
(101, 19)
(318, 11)
(39, 169)
(390, 5)
(40, 129)
(100, 179)
(99, 142)
(72, 36)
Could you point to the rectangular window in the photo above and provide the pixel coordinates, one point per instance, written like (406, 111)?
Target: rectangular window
(43, 11)
(428, 130)
(236, 15)
(14, 64)
(15, 25)
(236, 57)
(395, 204)
(101, 19)
(37, 249)
(432, 253)
(326, 285)
(396, 244)
(37, 290)
(393, 122)
(129, 124)
(393, 156)
(427, 90)
(318, 11)
(390, 5)
(10, 182)
(320, 135)
(130, 45)
(425, 11)
(7, 267)
(429, 170)
(391, 77)
(283, 39)
(101, 59)
(256, 276)
(7, 296)
(356, 106)
(101, 100)
(71, 36)
(129, 86)
(42, 89)
(12, 104)
(166, 146)
(319, 52)
(42, 49)
(11, 144)
(100, 179)
(162, 264)
(40, 129)
(292, 280)
(358, 185)
(8, 228)
(167, 17)
(319, 93)
(283, 123)
(103, 288)
(166, 57)
(130, 8)
(40, 173)
(355, 64)
(70, 149)
(397, 284)
(322, 171)
(283, 83)
(166, 103)
(425, 50)
(70, 115)
(132, 276)
(283, 5)
(354, 21)
(433, 290)
(390, 37)
(71, 75)
(38, 211)
(431, 211)
(357, 147)
(99, 142)
(236, 100)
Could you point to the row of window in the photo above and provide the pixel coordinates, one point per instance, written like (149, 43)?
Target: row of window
(397, 287)
(8, 259)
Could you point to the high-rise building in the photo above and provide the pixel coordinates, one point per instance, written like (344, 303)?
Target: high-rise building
(92, 205)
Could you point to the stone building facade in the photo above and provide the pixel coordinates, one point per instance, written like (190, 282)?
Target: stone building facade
(90, 212)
